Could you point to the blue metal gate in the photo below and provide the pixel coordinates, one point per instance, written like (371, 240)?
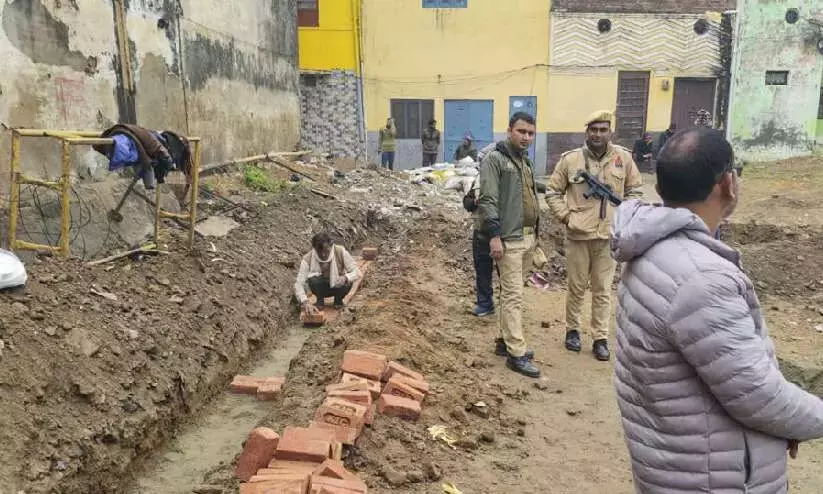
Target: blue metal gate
(526, 104)
(467, 116)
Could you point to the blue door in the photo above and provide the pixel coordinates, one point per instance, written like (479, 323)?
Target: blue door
(526, 104)
(465, 116)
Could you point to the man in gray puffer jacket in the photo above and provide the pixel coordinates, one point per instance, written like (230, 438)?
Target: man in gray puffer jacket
(704, 405)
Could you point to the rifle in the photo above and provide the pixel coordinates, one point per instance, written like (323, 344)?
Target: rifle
(599, 189)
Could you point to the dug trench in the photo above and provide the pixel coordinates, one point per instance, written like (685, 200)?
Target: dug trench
(100, 365)
(558, 434)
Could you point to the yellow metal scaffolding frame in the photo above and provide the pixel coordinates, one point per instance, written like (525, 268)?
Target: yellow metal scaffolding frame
(63, 186)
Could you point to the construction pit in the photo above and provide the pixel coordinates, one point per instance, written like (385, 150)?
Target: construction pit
(115, 378)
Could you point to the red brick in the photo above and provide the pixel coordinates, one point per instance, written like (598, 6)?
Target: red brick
(396, 406)
(337, 451)
(333, 469)
(246, 385)
(342, 434)
(317, 319)
(257, 452)
(270, 387)
(342, 413)
(280, 475)
(421, 386)
(275, 487)
(364, 364)
(327, 489)
(399, 388)
(374, 387)
(299, 444)
(395, 368)
(361, 398)
(297, 466)
(369, 253)
(353, 484)
(359, 385)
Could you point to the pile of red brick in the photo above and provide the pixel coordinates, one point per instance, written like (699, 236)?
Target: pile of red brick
(307, 460)
(265, 388)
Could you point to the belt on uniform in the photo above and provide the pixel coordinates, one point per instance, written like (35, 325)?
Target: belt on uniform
(528, 230)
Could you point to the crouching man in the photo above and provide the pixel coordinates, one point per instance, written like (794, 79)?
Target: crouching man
(328, 270)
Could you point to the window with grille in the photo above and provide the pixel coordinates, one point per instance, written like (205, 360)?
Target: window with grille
(411, 116)
(308, 13)
(445, 4)
(777, 77)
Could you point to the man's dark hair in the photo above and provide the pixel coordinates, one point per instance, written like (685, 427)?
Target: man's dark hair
(318, 240)
(432, 122)
(521, 115)
(691, 163)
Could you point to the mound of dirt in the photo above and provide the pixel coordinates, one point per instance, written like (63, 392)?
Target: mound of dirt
(100, 364)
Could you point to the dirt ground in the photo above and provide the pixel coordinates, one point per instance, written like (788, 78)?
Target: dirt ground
(91, 386)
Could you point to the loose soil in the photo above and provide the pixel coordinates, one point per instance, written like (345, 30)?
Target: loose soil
(93, 387)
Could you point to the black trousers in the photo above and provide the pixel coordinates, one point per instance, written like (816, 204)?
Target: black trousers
(321, 288)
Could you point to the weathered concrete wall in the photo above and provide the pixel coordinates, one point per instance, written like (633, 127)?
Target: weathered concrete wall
(768, 122)
(228, 69)
(224, 71)
(331, 118)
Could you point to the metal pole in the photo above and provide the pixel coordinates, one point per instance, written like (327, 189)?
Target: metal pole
(157, 209)
(65, 206)
(14, 199)
(195, 185)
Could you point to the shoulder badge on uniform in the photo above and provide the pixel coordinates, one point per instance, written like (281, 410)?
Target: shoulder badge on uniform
(618, 161)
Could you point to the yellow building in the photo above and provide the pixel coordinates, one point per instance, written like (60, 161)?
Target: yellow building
(466, 63)
(653, 66)
(330, 85)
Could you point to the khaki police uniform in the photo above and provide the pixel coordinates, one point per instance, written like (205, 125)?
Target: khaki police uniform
(588, 255)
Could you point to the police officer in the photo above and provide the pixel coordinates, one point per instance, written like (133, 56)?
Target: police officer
(588, 257)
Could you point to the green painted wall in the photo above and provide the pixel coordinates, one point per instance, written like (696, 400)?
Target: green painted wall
(768, 122)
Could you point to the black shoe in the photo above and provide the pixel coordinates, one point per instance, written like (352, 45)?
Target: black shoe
(573, 340)
(501, 350)
(600, 349)
(321, 302)
(523, 365)
(338, 304)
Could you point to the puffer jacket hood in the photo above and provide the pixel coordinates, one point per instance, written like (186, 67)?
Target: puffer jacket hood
(638, 226)
(703, 403)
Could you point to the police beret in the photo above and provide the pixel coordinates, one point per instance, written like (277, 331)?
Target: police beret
(599, 116)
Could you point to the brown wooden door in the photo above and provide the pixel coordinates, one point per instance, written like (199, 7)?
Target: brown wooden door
(690, 96)
(632, 103)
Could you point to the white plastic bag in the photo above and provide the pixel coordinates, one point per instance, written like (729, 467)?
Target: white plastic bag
(12, 271)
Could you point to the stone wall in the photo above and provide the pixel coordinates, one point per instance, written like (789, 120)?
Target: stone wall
(331, 117)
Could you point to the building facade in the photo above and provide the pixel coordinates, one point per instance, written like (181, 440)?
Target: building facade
(330, 85)
(223, 71)
(654, 62)
(469, 64)
(776, 105)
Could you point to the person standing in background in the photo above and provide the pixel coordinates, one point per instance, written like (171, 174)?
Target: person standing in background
(388, 145)
(510, 217)
(588, 259)
(431, 143)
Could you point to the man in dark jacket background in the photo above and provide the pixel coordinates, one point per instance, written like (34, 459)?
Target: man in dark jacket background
(509, 214)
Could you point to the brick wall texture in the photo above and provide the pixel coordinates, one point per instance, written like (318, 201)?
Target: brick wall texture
(644, 6)
(330, 109)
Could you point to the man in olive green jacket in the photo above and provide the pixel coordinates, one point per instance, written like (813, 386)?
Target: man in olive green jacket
(509, 215)
(588, 256)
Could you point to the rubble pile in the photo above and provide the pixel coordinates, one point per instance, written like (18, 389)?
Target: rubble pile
(307, 460)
